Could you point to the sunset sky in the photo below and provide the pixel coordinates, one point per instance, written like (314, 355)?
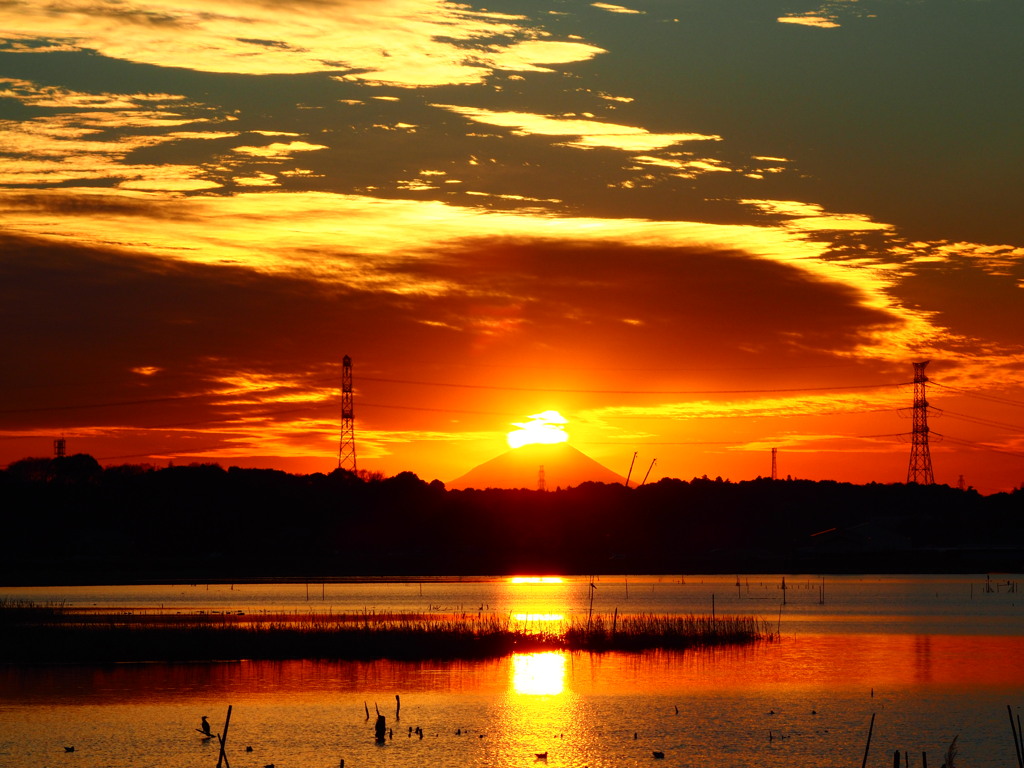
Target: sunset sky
(696, 229)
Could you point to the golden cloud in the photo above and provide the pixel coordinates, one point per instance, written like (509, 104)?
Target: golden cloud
(406, 43)
(586, 133)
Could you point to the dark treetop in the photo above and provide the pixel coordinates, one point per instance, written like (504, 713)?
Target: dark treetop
(70, 521)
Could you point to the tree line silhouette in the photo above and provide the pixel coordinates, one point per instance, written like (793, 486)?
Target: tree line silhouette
(69, 520)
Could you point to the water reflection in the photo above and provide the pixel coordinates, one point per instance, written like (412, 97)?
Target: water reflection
(600, 710)
(538, 674)
(921, 605)
(539, 713)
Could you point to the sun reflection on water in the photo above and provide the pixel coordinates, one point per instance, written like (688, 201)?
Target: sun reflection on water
(538, 674)
(538, 623)
(540, 711)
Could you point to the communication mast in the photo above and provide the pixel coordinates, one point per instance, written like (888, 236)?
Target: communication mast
(347, 451)
(775, 466)
(59, 447)
(542, 484)
(920, 468)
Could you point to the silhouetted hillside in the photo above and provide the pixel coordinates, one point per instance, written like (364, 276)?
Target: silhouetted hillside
(70, 521)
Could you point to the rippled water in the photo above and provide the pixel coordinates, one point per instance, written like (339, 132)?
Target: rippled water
(931, 604)
(931, 658)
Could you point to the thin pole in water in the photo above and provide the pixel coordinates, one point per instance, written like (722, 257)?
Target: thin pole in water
(223, 739)
(1016, 737)
(590, 613)
(868, 745)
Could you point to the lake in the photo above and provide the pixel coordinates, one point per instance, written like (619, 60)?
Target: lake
(927, 658)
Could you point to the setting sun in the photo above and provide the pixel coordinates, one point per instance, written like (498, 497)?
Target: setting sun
(546, 428)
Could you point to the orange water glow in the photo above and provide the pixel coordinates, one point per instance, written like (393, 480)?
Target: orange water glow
(807, 663)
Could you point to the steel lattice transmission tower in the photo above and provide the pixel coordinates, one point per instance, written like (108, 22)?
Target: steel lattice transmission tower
(920, 469)
(347, 450)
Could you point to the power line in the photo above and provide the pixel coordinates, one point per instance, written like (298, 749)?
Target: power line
(175, 398)
(980, 396)
(111, 404)
(983, 447)
(979, 420)
(549, 390)
(726, 442)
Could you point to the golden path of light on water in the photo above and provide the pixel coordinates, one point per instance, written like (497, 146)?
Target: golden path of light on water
(539, 674)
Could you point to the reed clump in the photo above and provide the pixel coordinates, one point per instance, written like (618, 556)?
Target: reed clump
(44, 634)
(642, 631)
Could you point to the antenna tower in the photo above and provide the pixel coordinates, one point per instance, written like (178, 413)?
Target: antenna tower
(775, 466)
(59, 447)
(347, 451)
(920, 468)
(542, 484)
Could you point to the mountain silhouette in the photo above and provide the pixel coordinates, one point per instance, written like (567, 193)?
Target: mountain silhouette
(564, 467)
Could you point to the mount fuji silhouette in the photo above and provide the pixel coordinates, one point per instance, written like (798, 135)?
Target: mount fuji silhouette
(564, 467)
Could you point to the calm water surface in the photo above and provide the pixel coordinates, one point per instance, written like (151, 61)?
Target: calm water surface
(931, 657)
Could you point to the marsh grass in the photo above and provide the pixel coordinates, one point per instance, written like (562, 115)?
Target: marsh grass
(641, 631)
(43, 634)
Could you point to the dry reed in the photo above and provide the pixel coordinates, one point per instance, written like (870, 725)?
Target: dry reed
(56, 634)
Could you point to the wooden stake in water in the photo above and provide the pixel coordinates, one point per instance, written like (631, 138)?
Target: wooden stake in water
(223, 739)
(590, 612)
(868, 745)
(1017, 740)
